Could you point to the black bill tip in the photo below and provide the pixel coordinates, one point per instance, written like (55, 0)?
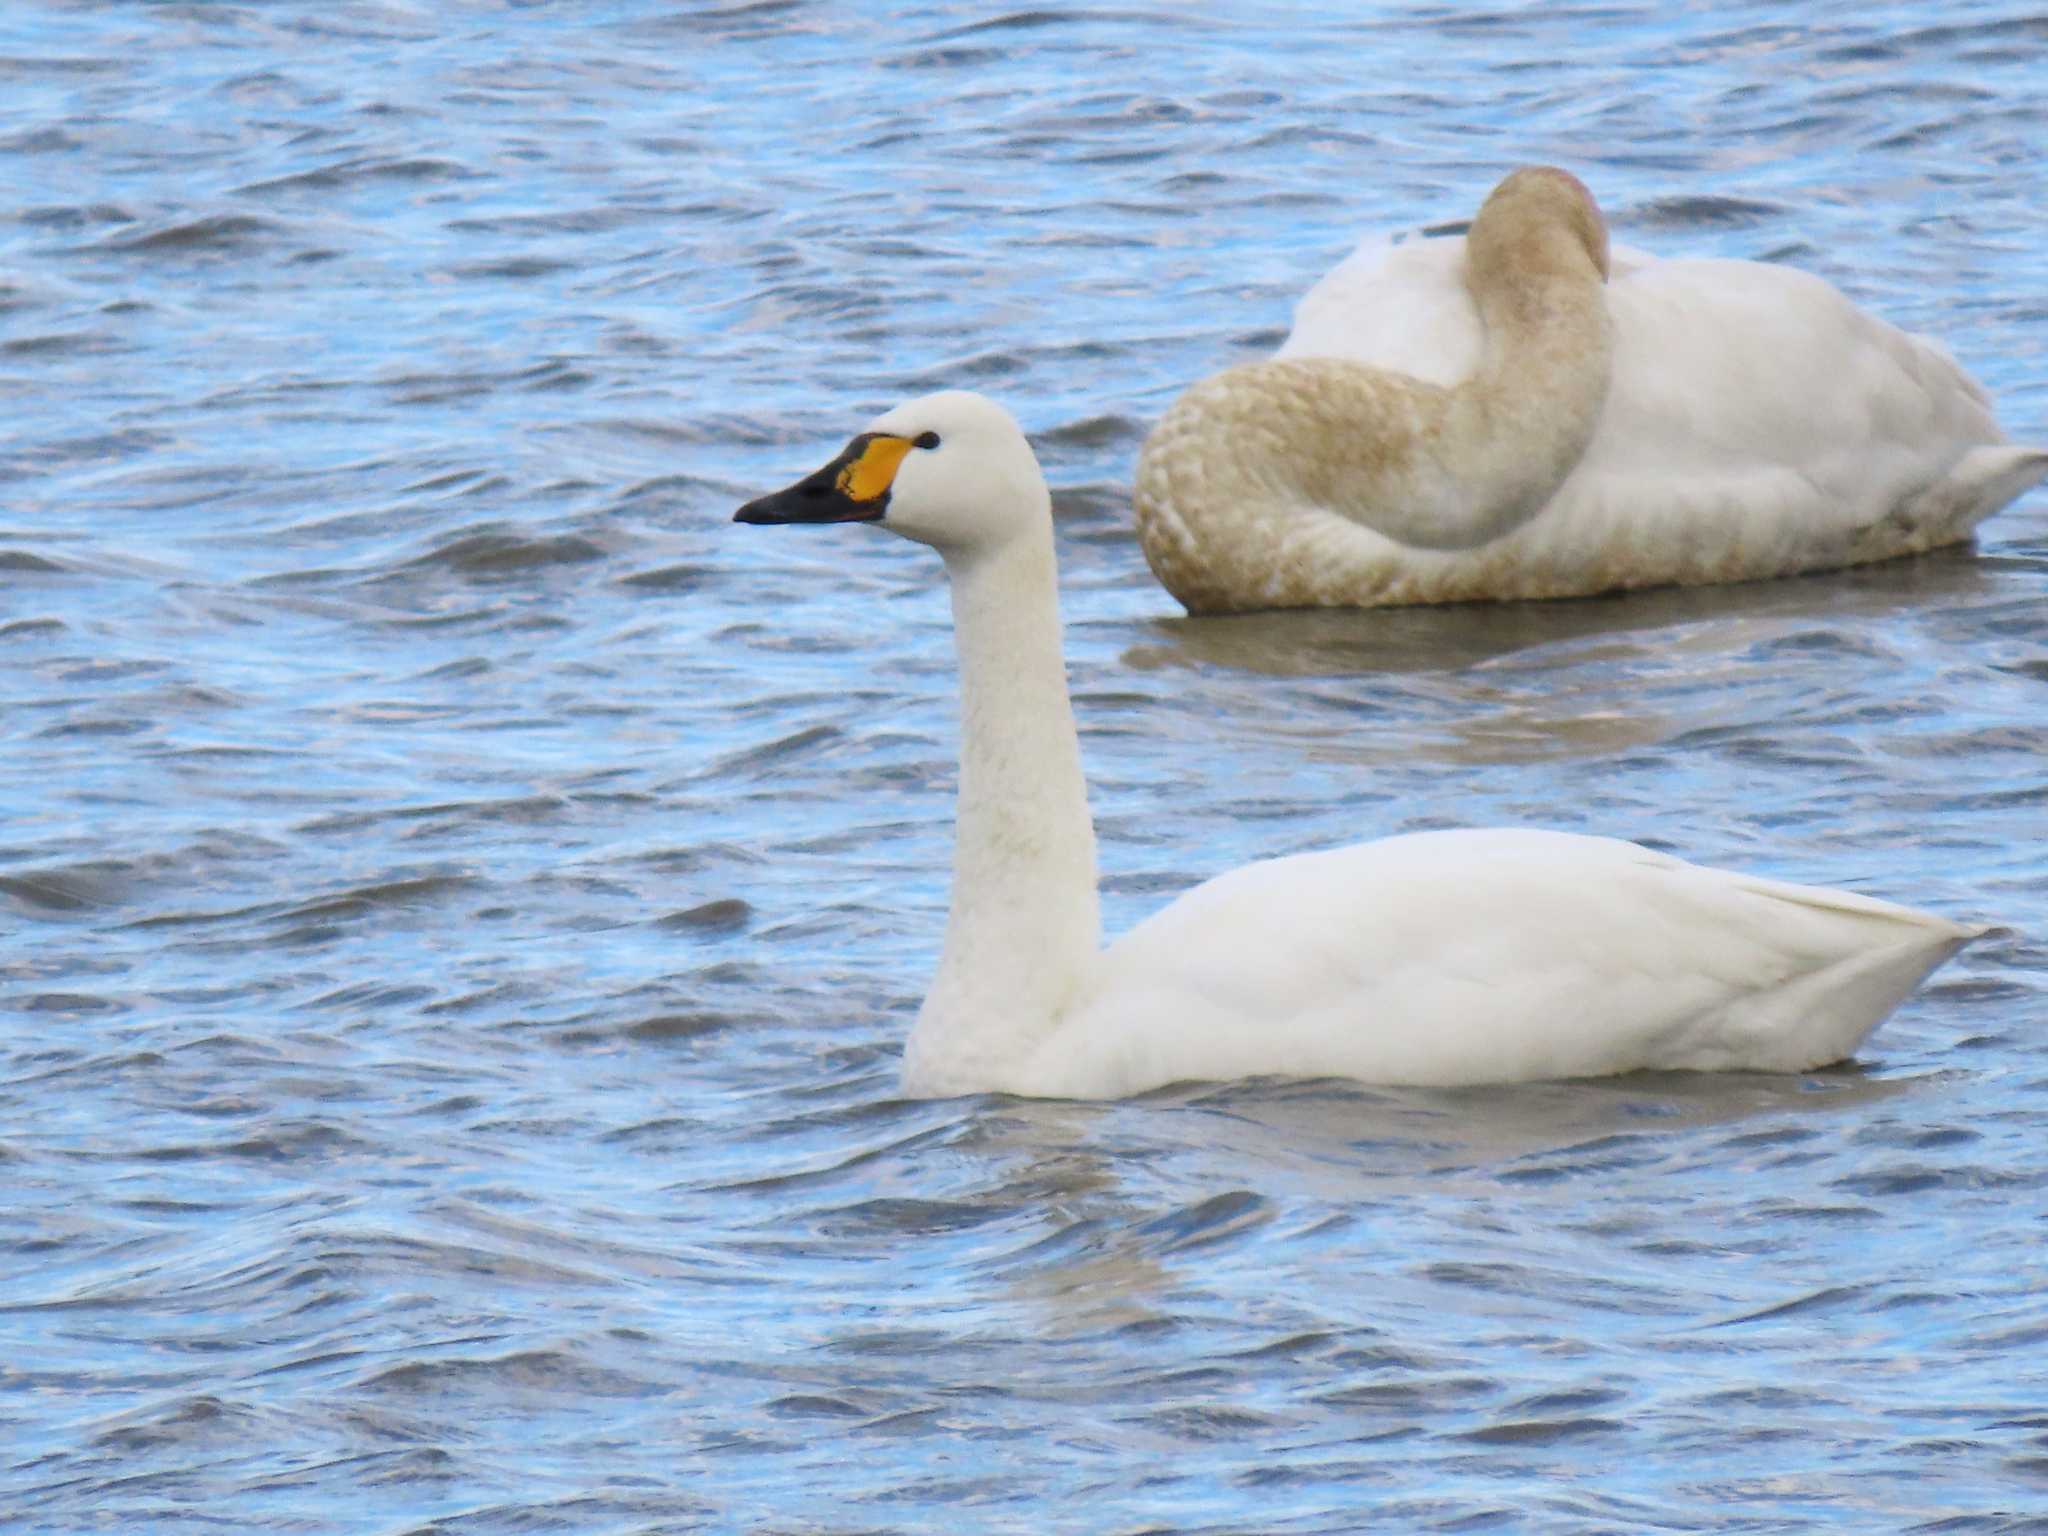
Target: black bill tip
(814, 499)
(853, 488)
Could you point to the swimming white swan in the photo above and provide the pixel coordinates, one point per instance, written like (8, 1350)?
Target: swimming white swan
(1513, 415)
(1431, 958)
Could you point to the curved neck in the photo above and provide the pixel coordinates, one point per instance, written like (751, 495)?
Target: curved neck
(1424, 465)
(1456, 467)
(1023, 922)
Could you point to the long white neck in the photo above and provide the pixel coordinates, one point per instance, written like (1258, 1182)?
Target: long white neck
(1024, 922)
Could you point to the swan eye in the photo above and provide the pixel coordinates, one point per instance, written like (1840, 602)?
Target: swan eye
(925, 440)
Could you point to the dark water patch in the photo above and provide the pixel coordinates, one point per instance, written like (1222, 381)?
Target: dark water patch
(1300, 1346)
(581, 221)
(1424, 1394)
(721, 431)
(778, 754)
(292, 1143)
(1093, 433)
(27, 67)
(1098, 514)
(515, 810)
(368, 170)
(40, 141)
(907, 1217)
(64, 344)
(534, 1372)
(750, 20)
(198, 1210)
(980, 370)
(190, 1423)
(222, 233)
(835, 1168)
(681, 578)
(813, 1405)
(1827, 1299)
(372, 997)
(1047, 20)
(1957, 36)
(1204, 1424)
(1910, 1178)
(1810, 1213)
(414, 1467)
(679, 1026)
(68, 1005)
(465, 482)
(628, 1018)
(95, 449)
(514, 268)
(384, 895)
(931, 58)
(1714, 213)
(177, 917)
(725, 915)
(678, 489)
(106, 1067)
(691, 860)
(1220, 1218)
(72, 889)
(496, 553)
(97, 726)
(558, 377)
(1536, 1432)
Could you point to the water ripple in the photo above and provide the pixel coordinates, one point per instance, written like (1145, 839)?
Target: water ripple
(464, 900)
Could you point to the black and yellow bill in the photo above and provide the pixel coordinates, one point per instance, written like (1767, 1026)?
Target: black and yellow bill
(853, 488)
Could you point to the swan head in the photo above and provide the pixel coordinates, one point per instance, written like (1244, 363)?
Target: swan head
(1535, 217)
(952, 470)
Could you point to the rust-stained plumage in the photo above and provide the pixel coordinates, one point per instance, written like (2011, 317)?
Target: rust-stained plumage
(1492, 418)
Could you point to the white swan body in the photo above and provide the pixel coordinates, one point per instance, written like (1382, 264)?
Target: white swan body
(1431, 958)
(1754, 423)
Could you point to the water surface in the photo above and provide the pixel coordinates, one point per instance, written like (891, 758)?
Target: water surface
(461, 900)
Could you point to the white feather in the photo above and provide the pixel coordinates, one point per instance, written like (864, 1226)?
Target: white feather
(1433, 958)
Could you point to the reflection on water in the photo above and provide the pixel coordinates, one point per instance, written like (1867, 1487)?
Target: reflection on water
(1342, 643)
(1586, 678)
(461, 903)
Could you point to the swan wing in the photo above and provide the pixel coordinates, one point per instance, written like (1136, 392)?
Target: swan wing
(1488, 956)
(1763, 389)
(1403, 305)
(1757, 422)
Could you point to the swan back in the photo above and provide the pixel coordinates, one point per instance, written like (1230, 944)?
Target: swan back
(1495, 955)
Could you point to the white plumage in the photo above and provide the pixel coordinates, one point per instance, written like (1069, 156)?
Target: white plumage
(1432, 958)
(1734, 420)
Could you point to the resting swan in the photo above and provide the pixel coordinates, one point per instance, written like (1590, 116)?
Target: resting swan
(1430, 958)
(1522, 414)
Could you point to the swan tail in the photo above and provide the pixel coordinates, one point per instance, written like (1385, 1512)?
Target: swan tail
(1983, 480)
(1824, 1015)
(2007, 472)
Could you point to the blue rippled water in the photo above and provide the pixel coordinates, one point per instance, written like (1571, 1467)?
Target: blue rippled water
(461, 901)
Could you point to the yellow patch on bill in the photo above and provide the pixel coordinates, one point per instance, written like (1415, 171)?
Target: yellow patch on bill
(873, 469)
